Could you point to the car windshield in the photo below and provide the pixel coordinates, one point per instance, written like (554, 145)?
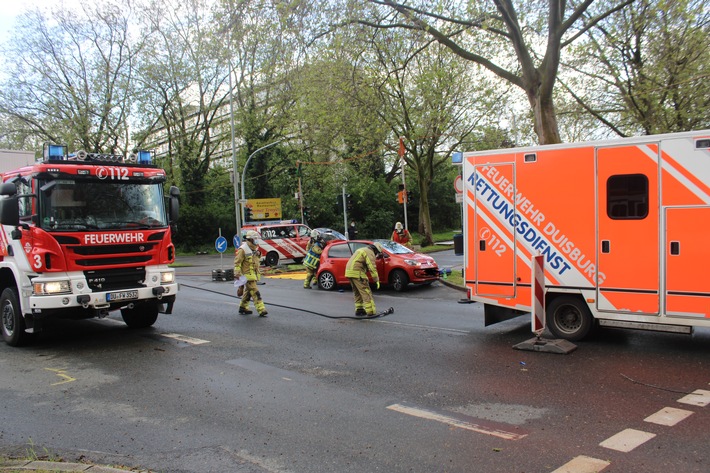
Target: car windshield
(394, 247)
(78, 205)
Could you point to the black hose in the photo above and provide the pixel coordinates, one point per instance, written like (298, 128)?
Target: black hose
(365, 317)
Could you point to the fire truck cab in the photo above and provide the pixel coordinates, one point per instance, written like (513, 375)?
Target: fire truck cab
(82, 235)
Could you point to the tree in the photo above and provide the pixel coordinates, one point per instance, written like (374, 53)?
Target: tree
(520, 43)
(69, 77)
(646, 69)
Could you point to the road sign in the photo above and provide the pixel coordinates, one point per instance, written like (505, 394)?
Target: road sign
(221, 244)
(458, 184)
(237, 241)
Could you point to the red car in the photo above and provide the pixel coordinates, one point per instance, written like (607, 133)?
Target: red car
(398, 266)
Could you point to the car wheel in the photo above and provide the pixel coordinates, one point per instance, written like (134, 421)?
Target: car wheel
(399, 280)
(326, 281)
(569, 318)
(141, 316)
(13, 324)
(272, 258)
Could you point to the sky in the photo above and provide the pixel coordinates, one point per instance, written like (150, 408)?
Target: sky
(11, 9)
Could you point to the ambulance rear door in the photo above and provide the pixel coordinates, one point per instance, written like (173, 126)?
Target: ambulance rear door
(492, 231)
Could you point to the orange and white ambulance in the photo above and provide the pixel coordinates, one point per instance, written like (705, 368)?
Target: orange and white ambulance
(622, 225)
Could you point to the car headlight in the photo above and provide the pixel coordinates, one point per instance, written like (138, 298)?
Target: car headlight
(167, 277)
(51, 287)
(412, 262)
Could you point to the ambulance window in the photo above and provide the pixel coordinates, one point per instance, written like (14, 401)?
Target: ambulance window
(627, 197)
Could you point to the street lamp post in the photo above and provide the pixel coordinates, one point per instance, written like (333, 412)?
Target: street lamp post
(244, 172)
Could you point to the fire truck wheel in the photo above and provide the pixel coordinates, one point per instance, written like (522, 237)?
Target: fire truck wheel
(569, 318)
(326, 281)
(272, 258)
(399, 280)
(140, 316)
(13, 324)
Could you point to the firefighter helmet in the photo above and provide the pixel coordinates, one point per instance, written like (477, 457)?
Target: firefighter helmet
(398, 226)
(252, 235)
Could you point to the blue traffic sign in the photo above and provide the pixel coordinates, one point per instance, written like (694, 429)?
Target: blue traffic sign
(237, 241)
(221, 244)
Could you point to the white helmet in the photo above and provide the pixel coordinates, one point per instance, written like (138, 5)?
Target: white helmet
(376, 247)
(398, 226)
(314, 234)
(252, 235)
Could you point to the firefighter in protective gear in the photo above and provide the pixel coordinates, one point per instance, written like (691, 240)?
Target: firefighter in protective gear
(312, 260)
(359, 264)
(401, 235)
(246, 262)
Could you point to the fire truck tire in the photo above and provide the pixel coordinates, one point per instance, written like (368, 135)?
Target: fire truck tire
(272, 258)
(13, 324)
(399, 280)
(569, 318)
(326, 281)
(140, 316)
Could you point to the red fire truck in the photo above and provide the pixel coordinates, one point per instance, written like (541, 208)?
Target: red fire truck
(83, 235)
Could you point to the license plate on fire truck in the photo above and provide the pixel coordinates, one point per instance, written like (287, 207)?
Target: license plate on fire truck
(121, 296)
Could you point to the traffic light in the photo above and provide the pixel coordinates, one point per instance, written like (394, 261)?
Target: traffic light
(401, 194)
(247, 214)
(349, 201)
(409, 196)
(306, 212)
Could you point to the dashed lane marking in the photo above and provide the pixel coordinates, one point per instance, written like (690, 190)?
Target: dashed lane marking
(669, 416)
(583, 464)
(699, 397)
(627, 440)
(184, 338)
(461, 421)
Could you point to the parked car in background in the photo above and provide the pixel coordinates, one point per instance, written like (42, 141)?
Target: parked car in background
(398, 266)
(328, 234)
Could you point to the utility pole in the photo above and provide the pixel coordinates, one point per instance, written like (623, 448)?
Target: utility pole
(345, 214)
(403, 163)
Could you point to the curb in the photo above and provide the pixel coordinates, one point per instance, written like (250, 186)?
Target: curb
(58, 466)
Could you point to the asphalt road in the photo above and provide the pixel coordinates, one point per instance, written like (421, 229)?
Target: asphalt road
(425, 389)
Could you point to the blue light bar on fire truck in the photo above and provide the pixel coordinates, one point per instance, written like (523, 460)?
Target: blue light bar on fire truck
(52, 152)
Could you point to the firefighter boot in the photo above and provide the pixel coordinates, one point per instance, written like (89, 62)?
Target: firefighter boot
(360, 313)
(244, 310)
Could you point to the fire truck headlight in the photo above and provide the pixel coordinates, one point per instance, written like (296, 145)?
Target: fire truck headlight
(52, 287)
(167, 278)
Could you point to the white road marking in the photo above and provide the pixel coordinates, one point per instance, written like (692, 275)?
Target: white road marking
(184, 338)
(428, 327)
(427, 414)
(668, 416)
(699, 397)
(627, 440)
(583, 464)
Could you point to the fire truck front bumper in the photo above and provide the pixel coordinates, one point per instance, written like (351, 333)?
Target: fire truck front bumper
(105, 300)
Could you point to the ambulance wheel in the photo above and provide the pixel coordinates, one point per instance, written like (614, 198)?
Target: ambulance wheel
(298, 260)
(13, 324)
(326, 281)
(272, 258)
(141, 316)
(399, 280)
(569, 318)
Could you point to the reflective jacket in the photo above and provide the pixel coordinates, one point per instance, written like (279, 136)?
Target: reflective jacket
(246, 262)
(361, 263)
(315, 248)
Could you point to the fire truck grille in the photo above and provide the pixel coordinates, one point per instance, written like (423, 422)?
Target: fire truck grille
(112, 279)
(96, 262)
(112, 249)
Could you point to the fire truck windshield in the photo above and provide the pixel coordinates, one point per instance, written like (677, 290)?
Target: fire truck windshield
(69, 205)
